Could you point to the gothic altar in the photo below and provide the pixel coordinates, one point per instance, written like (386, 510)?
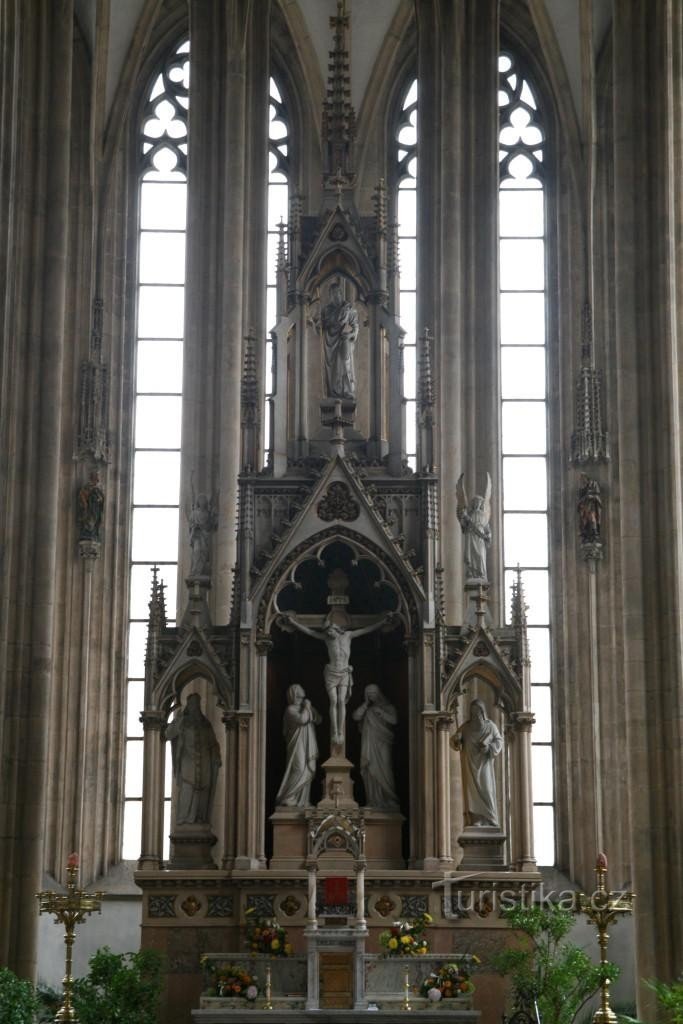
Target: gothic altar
(337, 727)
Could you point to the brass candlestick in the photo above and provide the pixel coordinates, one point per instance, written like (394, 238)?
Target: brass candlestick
(268, 1004)
(601, 909)
(406, 990)
(70, 909)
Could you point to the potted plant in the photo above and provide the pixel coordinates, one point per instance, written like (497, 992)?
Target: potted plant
(18, 1002)
(120, 988)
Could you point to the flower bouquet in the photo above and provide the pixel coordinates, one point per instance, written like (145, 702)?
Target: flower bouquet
(230, 981)
(267, 937)
(406, 938)
(449, 981)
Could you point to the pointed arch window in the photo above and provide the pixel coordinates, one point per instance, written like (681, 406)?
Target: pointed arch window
(278, 207)
(406, 219)
(524, 409)
(162, 201)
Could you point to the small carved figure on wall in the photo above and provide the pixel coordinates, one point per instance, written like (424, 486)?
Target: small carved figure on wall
(474, 521)
(202, 523)
(196, 760)
(480, 742)
(298, 727)
(590, 510)
(338, 672)
(377, 717)
(340, 331)
(90, 509)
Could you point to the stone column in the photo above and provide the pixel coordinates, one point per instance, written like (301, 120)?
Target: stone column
(648, 293)
(225, 257)
(522, 838)
(457, 241)
(36, 47)
(152, 799)
(443, 790)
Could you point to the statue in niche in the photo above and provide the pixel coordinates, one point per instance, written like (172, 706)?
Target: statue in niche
(340, 331)
(474, 521)
(196, 760)
(338, 672)
(590, 510)
(377, 717)
(298, 727)
(90, 509)
(480, 742)
(202, 523)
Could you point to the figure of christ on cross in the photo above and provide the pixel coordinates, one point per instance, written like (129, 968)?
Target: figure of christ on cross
(338, 672)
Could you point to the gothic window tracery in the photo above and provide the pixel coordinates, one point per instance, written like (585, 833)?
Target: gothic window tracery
(158, 390)
(278, 204)
(524, 405)
(406, 217)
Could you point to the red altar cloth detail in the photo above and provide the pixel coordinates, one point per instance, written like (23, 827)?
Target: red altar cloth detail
(336, 891)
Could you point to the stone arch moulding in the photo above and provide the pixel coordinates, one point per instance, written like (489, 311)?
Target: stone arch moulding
(362, 548)
(195, 659)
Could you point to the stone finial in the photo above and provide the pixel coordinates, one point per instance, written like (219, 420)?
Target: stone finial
(426, 387)
(379, 199)
(339, 118)
(518, 610)
(590, 440)
(281, 261)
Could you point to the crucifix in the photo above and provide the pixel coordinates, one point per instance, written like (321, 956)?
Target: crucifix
(337, 633)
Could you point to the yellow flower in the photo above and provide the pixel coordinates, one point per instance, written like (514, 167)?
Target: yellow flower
(406, 939)
(393, 944)
(427, 918)
(289, 948)
(275, 944)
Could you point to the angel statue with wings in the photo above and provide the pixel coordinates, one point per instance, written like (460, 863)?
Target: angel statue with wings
(474, 520)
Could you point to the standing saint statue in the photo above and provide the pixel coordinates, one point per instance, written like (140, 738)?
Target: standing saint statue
(340, 330)
(298, 727)
(338, 672)
(196, 760)
(90, 509)
(479, 741)
(202, 523)
(377, 717)
(474, 522)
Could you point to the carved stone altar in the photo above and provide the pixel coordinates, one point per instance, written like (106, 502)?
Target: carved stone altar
(338, 592)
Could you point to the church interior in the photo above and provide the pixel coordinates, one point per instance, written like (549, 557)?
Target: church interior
(341, 505)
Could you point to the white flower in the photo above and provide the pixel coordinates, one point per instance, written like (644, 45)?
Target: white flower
(434, 994)
(252, 992)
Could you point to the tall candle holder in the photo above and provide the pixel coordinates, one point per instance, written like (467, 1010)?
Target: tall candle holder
(70, 909)
(268, 1005)
(602, 908)
(407, 1005)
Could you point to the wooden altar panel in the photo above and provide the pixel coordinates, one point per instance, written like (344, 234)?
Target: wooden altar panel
(336, 981)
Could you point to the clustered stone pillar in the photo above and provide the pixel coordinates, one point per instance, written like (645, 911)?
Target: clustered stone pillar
(36, 51)
(457, 233)
(647, 54)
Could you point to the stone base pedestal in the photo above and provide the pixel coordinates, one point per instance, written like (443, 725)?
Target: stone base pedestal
(191, 848)
(338, 785)
(483, 849)
(383, 840)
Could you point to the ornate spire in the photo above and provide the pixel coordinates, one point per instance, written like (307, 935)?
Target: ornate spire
(590, 441)
(92, 441)
(281, 248)
(250, 392)
(518, 618)
(339, 118)
(426, 393)
(156, 621)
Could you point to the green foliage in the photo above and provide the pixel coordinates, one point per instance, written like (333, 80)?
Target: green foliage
(557, 975)
(669, 997)
(18, 1001)
(120, 988)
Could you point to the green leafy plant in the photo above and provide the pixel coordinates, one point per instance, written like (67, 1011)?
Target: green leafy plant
(120, 988)
(557, 976)
(669, 997)
(18, 1002)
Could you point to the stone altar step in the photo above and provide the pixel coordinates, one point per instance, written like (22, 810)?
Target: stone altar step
(260, 1016)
